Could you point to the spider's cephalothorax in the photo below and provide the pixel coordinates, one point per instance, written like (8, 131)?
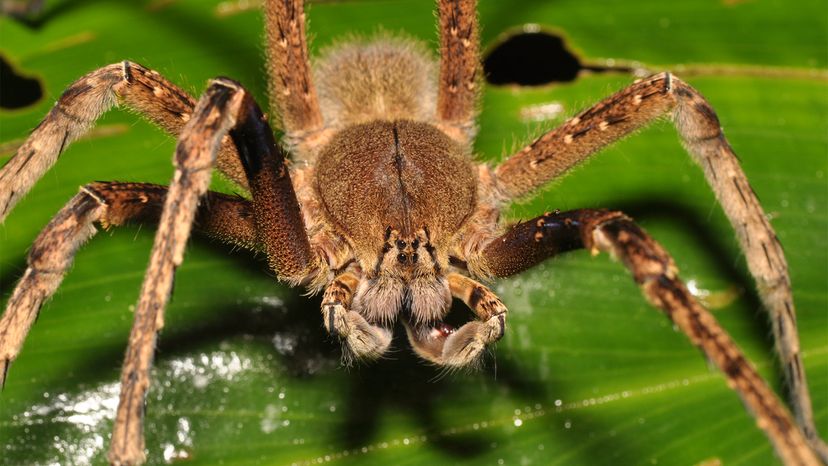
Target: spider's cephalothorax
(416, 189)
(389, 214)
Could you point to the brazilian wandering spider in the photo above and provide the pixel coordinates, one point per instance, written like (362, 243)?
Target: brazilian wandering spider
(420, 240)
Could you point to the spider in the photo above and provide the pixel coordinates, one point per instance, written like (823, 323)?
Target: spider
(397, 240)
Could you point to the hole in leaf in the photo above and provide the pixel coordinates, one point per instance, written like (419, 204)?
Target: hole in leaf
(532, 57)
(17, 91)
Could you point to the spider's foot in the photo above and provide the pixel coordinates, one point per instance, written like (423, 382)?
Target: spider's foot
(360, 340)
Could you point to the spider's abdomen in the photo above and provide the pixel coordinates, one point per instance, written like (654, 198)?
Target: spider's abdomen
(403, 174)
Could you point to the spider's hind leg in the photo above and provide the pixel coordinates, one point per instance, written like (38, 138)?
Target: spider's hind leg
(556, 152)
(460, 73)
(290, 80)
(528, 243)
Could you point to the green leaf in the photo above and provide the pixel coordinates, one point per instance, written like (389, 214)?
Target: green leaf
(587, 373)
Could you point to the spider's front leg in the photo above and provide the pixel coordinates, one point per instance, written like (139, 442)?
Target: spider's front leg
(559, 150)
(653, 269)
(224, 108)
(214, 115)
(271, 222)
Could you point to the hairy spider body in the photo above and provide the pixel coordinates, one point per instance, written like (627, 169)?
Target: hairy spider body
(421, 189)
(387, 212)
(417, 188)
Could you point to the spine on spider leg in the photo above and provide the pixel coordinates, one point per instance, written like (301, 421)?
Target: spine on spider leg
(50, 257)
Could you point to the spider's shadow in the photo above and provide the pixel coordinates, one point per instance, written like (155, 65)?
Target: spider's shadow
(402, 383)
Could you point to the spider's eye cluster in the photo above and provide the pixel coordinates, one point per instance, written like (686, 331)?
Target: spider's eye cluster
(407, 251)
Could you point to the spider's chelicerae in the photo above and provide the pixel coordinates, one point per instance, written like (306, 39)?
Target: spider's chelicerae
(388, 215)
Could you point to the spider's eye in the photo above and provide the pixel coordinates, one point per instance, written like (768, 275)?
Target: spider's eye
(402, 257)
(400, 244)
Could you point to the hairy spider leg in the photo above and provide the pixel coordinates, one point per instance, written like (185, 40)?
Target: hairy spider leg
(290, 80)
(195, 155)
(225, 108)
(557, 151)
(79, 107)
(224, 217)
(654, 271)
(460, 69)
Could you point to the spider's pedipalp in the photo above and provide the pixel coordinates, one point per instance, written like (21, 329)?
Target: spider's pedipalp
(461, 347)
(81, 104)
(360, 339)
(557, 151)
(656, 274)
